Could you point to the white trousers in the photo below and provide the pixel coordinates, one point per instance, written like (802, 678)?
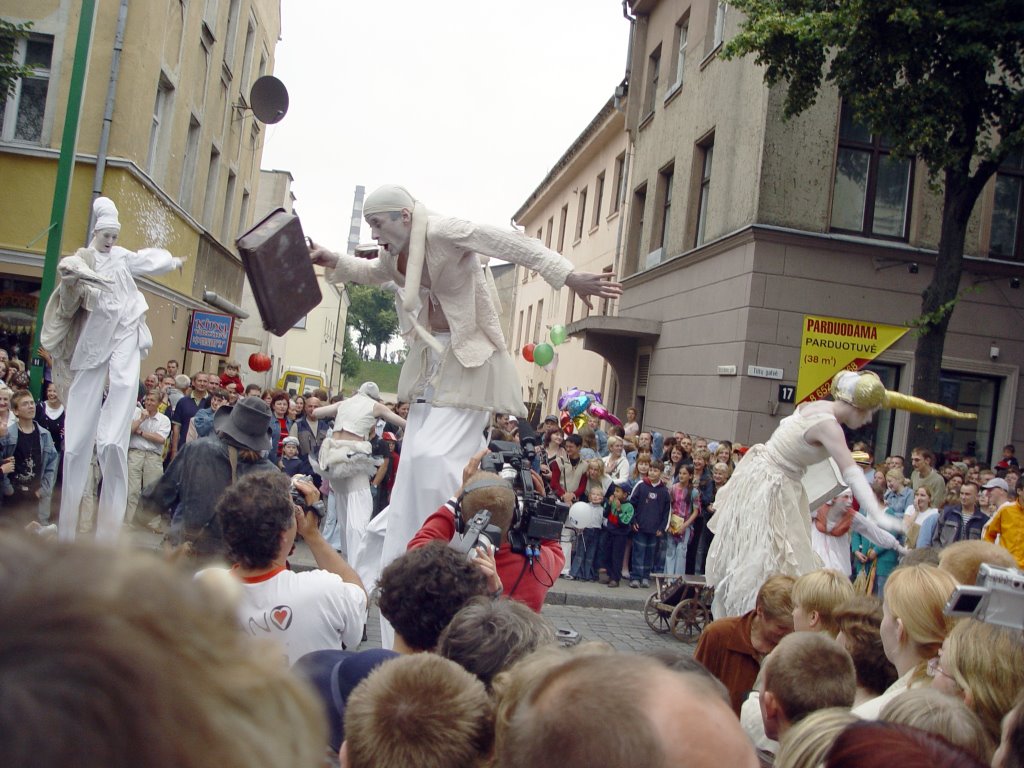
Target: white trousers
(438, 443)
(108, 426)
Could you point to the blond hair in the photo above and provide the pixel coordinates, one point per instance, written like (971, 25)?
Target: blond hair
(963, 559)
(419, 710)
(947, 716)
(824, 591)
(775, 597)
(806, 743)
(987, 662)
(917, 595)
(113, 646)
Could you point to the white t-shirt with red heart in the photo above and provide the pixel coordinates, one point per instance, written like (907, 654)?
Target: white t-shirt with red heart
(305, 612)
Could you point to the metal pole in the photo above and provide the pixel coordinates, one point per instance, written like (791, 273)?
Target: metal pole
(62, 186)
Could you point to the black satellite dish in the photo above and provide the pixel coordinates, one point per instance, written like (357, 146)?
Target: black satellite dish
(268, 99)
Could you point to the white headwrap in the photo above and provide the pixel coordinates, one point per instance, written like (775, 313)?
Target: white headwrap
(105, 213)
(390, 198)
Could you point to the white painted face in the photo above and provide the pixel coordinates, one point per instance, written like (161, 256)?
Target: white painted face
(391, 230)
(103, 240)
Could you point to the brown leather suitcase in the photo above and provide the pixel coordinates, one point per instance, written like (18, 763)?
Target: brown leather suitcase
(276, 261)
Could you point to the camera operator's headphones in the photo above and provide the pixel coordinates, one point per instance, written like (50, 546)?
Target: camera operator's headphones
(476, 485)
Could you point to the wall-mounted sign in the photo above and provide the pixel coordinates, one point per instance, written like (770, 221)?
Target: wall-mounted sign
(760, 372)
(210, 332)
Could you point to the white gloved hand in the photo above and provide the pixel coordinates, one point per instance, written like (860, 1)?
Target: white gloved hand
(854, 477)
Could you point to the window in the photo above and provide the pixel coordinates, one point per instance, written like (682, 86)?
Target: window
(243, 213)
(519, 331)
(636, 226)
(718, 34)
(665, 178)
(529, 320)
(22, 112)
(581, 214)
(232, 30)
(161, 123)
(707, 151)
(620, 168)
(563, 220)
(210, 19)
(653, 67)
(682, 30)
(598, 198)
(1008, 211)
(226, 235)
(250, 38)
(537, 338)
(550, 230)
(199, 99)
(872, 189)
(188, 171)
(210, 200)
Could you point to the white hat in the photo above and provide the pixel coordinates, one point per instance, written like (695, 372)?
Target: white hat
(370, 389)
(105, 213)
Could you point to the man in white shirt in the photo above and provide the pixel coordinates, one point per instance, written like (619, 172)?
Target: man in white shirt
(321, 609)
(150, 430)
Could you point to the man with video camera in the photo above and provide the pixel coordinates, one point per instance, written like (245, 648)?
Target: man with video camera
(523, 577)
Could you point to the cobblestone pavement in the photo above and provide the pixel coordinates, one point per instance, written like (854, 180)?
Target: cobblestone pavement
(625, 629)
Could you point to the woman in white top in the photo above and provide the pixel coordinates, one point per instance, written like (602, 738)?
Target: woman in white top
(913, 628)
(616, 465)
(917, 514)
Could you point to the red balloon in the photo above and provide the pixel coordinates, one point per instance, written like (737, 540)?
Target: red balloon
(528, 352)
(259, 362)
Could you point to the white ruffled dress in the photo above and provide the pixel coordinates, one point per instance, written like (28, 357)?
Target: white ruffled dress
(762, 518)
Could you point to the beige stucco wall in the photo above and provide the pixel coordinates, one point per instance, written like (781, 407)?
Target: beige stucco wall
(593, 252)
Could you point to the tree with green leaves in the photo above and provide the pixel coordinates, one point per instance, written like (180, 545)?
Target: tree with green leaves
(942, 80)
(349, 357)
(10, 70)
(372, 316)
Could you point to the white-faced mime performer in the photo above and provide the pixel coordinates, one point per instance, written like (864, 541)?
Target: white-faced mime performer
(346, 457)
(458, 370)
(95, 330)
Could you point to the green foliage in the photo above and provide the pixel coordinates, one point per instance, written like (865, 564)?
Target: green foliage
(372, 316)
(349, 357)
(10, 71)
(384, 374)
(928, 321)
(942, 79)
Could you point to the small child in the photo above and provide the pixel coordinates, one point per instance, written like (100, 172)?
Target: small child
(230, 379)
(816, 598)
(653, 504)
(291, 463)
(587, 519)
(618, 516)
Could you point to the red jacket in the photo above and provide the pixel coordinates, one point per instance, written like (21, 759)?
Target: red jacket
(532, 587)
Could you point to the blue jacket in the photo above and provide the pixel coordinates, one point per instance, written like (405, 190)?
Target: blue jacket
(50, 458)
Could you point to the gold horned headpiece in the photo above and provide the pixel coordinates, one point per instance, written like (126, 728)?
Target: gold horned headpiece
(863, 389)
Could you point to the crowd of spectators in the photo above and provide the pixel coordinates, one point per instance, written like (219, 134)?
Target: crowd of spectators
(258, 664)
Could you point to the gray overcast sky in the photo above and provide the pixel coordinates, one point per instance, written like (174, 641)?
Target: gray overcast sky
(468, 103)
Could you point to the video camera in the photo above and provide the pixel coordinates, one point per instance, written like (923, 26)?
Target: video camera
(299, 498)
(479, 532)
(996, 598)
(538, 518)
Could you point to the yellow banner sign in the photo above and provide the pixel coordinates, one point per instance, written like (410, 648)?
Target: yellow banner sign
(832, 344)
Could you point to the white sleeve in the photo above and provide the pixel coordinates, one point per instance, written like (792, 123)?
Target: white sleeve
(152, 261)
(867, 528)
(854, 477)
(347, 606)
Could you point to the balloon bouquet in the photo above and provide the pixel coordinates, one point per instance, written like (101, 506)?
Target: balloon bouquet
(576, 404)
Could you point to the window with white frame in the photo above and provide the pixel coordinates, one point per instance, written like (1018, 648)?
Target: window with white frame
(682, 30)
(188, 170)
(23, 111)
(1007, 239)
(160, 125)
(719, 33)
(706, 154)
(581, 214)
(653, 75)
(598, 200)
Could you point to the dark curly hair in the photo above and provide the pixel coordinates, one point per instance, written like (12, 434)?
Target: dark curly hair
(253, 514)
(422, 590)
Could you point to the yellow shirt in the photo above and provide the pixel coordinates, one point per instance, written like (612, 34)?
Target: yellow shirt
(1008, 524)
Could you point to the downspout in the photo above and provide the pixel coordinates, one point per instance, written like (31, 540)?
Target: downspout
(108, 109)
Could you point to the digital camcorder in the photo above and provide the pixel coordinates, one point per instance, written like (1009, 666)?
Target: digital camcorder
(299, 498)
(996, 598)
(538, 517)
(479, 533)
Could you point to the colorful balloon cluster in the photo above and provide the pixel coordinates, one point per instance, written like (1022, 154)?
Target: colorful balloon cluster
(544, 354)
(577, 404)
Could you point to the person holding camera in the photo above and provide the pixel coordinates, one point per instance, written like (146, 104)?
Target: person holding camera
(317, 610)
(522, 578)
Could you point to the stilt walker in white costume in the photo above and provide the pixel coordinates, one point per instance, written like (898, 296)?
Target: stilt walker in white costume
(458, 370)
(762, 517)
(346, 458)
(95, 329)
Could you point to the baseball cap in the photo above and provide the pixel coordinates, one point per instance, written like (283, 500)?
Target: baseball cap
(997, 482)
(334, 674)
(552, 418)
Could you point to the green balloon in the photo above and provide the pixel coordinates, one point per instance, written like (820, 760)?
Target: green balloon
(558, 334)
(543, 354)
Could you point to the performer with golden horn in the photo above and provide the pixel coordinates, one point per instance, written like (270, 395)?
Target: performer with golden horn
(762, 518)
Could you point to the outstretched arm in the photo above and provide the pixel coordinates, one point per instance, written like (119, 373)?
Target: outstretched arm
(381, 411)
